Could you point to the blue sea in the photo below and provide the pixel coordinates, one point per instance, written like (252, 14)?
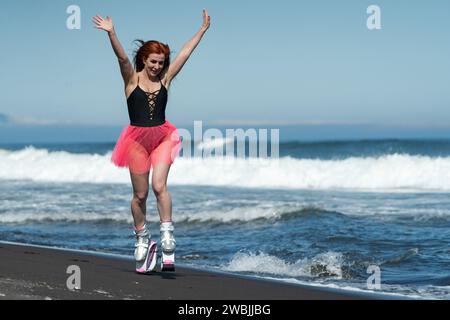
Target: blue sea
(321, 214)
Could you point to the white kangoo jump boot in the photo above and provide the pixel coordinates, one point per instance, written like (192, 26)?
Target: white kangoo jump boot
(168, 244)
(145, 252)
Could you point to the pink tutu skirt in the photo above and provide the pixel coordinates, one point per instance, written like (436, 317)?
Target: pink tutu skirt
(141, 148)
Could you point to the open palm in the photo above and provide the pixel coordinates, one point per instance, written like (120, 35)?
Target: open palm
(206, 20)
(103, 24)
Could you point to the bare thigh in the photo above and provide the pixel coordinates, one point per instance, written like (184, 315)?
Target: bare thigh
(139, 160)
(159, 177)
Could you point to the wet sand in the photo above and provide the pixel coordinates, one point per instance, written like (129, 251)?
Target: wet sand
(34, 272)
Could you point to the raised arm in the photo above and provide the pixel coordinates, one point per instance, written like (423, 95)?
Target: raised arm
(126, 68)
(178, 63)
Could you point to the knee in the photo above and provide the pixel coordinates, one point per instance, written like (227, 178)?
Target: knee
(140, 197)
(159, 188)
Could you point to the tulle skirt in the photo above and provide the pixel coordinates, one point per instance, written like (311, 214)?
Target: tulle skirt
(141, 148)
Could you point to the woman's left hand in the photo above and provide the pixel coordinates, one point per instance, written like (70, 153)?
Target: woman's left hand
(206, 20)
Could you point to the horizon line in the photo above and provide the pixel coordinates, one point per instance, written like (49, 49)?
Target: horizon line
(29, 121)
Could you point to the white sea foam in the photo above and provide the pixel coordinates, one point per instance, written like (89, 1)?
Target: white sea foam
(18, 212)
(214, 143)
(262, 210)
(328, 264)
(65, 216)
(395, 172)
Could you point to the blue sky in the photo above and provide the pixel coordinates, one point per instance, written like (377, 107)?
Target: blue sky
(261, 61)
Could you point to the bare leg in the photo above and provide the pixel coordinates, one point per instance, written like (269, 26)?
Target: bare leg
(159, 186)
(139, 201)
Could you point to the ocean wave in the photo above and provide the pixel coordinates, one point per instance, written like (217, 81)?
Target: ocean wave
(214, 143)
(263, 212)
(394, 172)
(332, 270)
(72, 217)
(402, 257)
(328, 264)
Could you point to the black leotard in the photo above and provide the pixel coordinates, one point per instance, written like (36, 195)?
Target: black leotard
(147, 109)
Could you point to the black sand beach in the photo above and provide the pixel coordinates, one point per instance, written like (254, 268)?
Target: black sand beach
(33, 272)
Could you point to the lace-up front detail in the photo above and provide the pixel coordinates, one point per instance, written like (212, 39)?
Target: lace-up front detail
(151, 97)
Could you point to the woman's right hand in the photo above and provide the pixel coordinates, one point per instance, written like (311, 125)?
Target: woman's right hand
(103, 24)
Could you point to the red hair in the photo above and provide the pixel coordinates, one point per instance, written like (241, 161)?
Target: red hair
(146, 48)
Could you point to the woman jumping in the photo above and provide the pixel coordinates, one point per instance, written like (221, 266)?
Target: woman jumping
(150, 141)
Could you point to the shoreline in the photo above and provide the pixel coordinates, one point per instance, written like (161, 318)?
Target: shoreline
(40, 272)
